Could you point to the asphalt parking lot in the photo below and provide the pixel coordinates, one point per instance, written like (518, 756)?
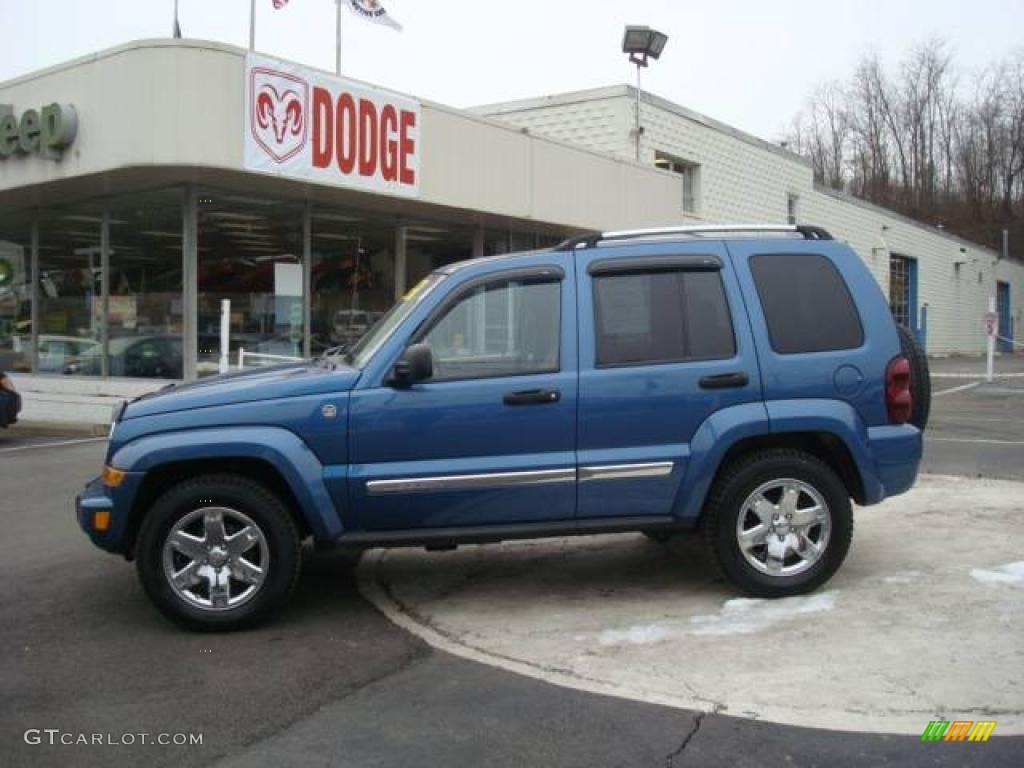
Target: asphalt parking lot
(335, 682)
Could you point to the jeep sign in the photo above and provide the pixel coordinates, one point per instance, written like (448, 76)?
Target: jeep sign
(309, 125)
(45, 131)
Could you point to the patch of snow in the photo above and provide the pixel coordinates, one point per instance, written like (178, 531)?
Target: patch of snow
(1011, 573)
(904, 577)
(744, 615)
(740, 616)
(638, 635)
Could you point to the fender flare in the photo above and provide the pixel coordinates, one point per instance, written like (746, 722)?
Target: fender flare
(714, 437)
(721, 431)
(284, 450)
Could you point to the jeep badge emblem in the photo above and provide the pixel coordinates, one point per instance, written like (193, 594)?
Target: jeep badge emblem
(329, 411)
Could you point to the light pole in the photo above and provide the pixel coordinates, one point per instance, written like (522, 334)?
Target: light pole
(642, 43)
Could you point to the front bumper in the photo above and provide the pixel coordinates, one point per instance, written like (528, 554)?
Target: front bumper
(95, 497)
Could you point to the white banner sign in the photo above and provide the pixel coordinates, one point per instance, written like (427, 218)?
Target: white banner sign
(326, 129)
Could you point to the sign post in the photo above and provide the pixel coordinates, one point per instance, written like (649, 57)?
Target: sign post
(225, 335)
(991, 331)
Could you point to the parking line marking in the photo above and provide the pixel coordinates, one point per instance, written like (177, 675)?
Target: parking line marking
(953, 417)
(966, 375)
(982, 441)
(51, 445)
(961, 388)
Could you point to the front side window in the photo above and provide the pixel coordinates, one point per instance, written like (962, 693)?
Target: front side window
(506, 328)
(661, 317)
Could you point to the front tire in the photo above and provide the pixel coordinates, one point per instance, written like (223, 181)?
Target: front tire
(778, 523)
(218, 552)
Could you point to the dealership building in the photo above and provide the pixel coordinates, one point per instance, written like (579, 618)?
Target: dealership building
(142, 186)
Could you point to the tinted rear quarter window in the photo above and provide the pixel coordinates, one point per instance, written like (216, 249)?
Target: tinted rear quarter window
(806, 303)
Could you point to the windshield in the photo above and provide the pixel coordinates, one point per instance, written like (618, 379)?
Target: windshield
(373, 339)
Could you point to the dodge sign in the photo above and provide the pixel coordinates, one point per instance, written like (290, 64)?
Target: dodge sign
(309, 125)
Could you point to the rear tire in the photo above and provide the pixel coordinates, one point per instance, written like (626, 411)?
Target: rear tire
(920, 378)
(218, 553)
(752, 541)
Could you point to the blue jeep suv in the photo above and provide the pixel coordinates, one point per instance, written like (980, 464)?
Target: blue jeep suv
(746, 381)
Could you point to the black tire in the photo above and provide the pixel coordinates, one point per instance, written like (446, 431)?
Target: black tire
(263, 508)
(737, 482)
(920, 378)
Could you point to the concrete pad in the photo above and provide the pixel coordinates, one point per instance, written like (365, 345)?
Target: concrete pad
(925, 620)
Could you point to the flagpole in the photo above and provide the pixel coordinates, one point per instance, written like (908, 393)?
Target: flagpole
(337, 38)
(176, 27)
(252, 25)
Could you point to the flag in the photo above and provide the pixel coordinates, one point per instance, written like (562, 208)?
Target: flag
(372, 10)
(279, 4)
(176, 29)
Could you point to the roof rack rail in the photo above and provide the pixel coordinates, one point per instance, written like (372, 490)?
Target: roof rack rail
(589, 241)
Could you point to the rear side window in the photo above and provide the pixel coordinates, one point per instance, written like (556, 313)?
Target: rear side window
(661, 317)
(806, 304)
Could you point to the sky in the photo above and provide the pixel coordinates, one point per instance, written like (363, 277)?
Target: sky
(748, 63)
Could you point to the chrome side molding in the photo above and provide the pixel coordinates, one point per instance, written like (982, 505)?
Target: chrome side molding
(465, 482)
(626, 471)
(533, 477)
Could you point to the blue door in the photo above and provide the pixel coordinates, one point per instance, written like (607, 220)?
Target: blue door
(491, 438)
(903, 294)
(664, 344)
(1005, 318)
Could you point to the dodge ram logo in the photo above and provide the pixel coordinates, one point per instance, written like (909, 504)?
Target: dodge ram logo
(279, 112)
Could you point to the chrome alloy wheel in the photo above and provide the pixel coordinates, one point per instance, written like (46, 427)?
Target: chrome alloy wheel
(783, 527)
(215, 558)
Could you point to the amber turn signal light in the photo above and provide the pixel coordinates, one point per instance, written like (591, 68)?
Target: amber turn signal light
(113, 477)
(101, 520)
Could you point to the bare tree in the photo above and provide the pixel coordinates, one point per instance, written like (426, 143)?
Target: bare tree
(923, 144)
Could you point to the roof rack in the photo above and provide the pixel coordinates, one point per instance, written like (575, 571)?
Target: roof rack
(589, 241)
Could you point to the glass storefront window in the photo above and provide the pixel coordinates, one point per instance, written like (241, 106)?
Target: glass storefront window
(250, 252)
(433, 245)
(69, 293)
(495, 242)
(144, 317)
(353, 277)
(15, 294)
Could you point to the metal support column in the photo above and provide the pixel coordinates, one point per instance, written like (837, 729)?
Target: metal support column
(401, 260)
(190, 283)
(34, 292)
(638, 128)
(478, 242)
(307, 280)
(105, 294)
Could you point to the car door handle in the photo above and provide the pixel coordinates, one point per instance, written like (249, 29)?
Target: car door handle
(725, 381)
(533, 397)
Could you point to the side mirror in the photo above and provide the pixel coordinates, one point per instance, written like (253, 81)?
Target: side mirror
(416, 364)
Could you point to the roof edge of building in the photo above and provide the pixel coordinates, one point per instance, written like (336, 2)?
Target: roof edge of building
(849, 199)
(115, 50)
(629, 91)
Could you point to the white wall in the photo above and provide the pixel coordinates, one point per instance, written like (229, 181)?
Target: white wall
(744, 179)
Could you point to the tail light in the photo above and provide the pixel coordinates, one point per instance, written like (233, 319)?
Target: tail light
(898, 400)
